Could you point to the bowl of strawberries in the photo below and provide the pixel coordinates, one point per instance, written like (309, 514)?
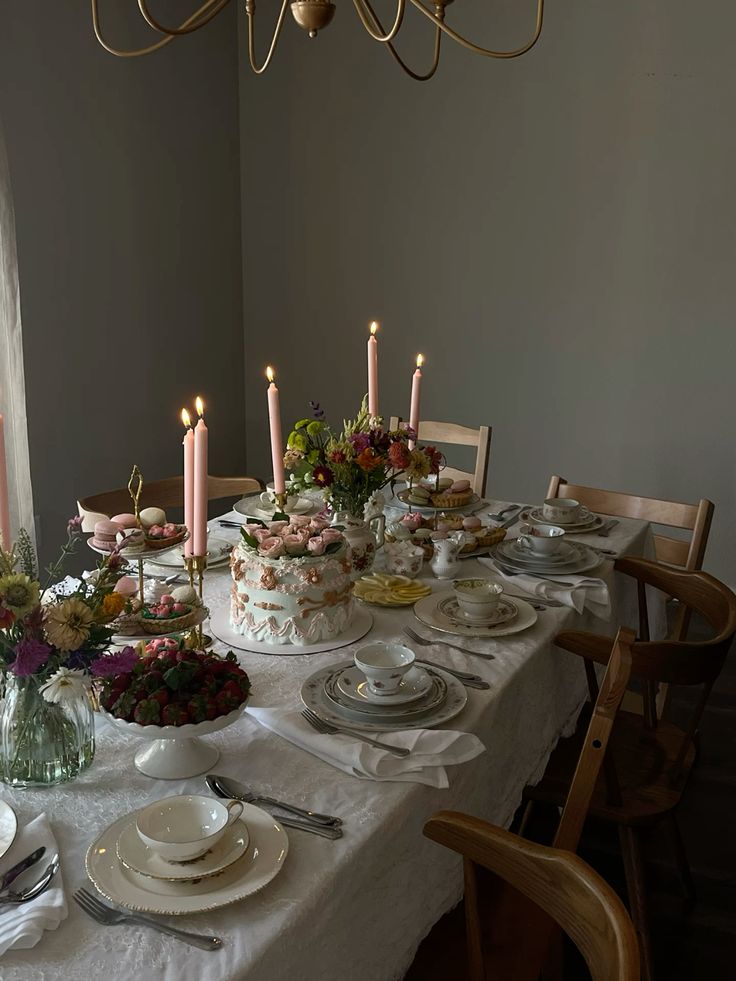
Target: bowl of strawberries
(172, 697)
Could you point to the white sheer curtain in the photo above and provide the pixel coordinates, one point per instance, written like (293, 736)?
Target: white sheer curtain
(12, 377)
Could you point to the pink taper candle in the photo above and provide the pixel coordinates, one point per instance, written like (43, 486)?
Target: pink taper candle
(373, 371)
(277, 445)
(199, 535)
(416, 391)
(188, 482)
(4, 506)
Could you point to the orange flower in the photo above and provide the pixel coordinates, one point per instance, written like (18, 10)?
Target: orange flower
(113, 604)
(369, 459)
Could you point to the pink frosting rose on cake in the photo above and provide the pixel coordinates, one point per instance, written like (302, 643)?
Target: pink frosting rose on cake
(330, 535)
(271, 548)
(317, 545)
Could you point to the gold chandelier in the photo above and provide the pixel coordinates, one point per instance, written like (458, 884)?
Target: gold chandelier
(312, 16)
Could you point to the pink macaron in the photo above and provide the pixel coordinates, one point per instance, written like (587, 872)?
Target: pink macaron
(126, 520)
(472, 523)
(460, 486)
(126, 586)
(105, 536)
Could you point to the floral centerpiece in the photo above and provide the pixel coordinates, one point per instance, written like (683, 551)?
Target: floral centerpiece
(354, 464)
(294, 537)
(52, 643)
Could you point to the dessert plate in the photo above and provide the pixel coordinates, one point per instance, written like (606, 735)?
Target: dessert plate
(354, 685)
(380, 589)
(218, 553)
(8, 827)
(371, 712)
(401, 501)
(263, 859)
(223, 631)
(248, 506)
(504, 613)
(138, 857)
(587, 559)
(122, 640)
(565, 552)
(428, 612)
(315, 697)
(589, 522)
(140, 553)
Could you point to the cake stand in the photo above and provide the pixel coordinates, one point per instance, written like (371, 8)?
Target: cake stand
(223, 631)
(175, 752)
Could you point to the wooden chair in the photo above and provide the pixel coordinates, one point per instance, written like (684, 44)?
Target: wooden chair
(451, 434)
(648, 760)
(695, 518)
(552, 882)
(167, 493)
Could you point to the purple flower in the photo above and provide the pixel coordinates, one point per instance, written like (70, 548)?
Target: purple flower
(74, 525)
(30, 655)
(317, 411)
(360, 441)
(121, 662)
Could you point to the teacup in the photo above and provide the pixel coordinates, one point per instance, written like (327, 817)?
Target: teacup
(180, 829)
(477, 598)
(268, 499)
(562, 509)
(403, 558)
(384, 665)
(542, 540)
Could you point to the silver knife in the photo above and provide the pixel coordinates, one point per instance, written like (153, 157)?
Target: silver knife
(12, 874)
(507, 522)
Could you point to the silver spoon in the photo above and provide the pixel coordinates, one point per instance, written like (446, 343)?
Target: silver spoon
(15, 898)
(237, 791)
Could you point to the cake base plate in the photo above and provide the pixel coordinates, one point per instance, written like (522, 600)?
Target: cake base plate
(220, 627)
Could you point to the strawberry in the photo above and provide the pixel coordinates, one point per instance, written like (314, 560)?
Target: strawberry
(147, 712)
(210, 707)
(196, 709)
(226, 702)
(232, 688)
(174, 715)
(153, 680)
(161, 696)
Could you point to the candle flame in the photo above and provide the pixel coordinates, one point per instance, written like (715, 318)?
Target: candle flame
(374, 328)
(185, 418)
(269, 373)
(199, 404)
(420, 360)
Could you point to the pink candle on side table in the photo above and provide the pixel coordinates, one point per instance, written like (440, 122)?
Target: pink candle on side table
(4, 506)
(277, 445)
(188, 443)
(416, 390)
(373, 371)
(199, 534)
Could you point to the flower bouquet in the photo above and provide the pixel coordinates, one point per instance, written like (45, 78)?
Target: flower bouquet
(52, 643)
(354, 464)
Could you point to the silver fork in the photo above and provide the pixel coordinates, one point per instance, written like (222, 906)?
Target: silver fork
(423, 642)
(507, 510)
(108, 916)
(329, 730)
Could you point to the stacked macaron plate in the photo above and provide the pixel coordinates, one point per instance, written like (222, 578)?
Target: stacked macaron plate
(439, 494)
(149, 532)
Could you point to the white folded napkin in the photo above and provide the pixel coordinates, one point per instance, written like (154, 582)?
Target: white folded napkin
(431, 749)
(586, 592)
(21, 926)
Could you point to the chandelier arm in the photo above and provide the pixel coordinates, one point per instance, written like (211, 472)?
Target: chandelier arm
(250, 9)
(215, 6)
(382, 37)
(474, 47)
(136, 52)
(397, 57)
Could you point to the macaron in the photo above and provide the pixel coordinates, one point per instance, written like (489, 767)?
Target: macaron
(105, 536)
(460, 486)
(472, 523)
(126, 520)
(185, 594)
(152, 516)
(126, 586)
(132, 539)
(444, 483)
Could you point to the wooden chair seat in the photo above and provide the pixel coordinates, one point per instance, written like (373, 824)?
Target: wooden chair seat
(644, 760)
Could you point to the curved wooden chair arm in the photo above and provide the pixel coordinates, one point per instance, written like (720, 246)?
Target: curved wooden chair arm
(556, 881)
(592, 647)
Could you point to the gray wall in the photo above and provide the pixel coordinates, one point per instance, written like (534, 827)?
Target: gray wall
(556, 234)
(126, 185)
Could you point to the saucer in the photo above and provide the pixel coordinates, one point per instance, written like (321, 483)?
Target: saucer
(138, 857)
(432, 611)
(565, 552)
(505, 612)
(414, 685)
(588, 522)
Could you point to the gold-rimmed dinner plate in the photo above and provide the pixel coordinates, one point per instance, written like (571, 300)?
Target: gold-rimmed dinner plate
(8, 827)
(432, 611)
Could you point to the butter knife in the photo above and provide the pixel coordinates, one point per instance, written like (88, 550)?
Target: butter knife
(12, 874)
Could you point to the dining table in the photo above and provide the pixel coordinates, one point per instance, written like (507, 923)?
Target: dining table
(357, 907)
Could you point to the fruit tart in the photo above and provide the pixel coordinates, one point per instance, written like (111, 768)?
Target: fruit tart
(167, 615)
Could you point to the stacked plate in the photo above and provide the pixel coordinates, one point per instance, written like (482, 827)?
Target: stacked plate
(218, 554)
(244, 860)
(426, 697)
(584, 521)
(441, 611)
(572, 558)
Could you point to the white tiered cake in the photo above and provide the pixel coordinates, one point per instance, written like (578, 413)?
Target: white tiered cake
(290, 598)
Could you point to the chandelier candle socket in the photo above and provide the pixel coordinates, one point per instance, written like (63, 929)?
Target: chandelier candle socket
(201, 437)
(188, 443)
(373, 371)
(277, 443)
(416, 391)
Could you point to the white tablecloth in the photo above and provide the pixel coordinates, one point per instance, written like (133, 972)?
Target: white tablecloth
(355, 908)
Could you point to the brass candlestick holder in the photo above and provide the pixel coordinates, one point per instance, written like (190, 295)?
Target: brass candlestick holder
(196, 564)
(135, 489)
(281, 501)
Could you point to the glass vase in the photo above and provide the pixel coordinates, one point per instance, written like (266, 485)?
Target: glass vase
(41, 743)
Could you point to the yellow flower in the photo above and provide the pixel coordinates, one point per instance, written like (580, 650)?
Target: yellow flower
(67, 624)
(19, 593)
(112, 605)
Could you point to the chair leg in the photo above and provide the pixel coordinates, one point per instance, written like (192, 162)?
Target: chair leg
(473, 934)
(634, 869)
(683, 866)
(525, 818)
